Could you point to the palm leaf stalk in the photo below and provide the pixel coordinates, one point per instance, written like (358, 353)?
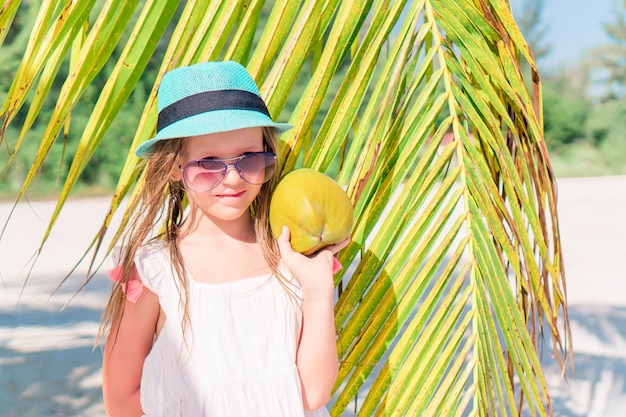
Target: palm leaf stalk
(429, 115)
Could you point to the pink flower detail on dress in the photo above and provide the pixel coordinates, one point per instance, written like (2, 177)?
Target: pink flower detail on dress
(133, 288)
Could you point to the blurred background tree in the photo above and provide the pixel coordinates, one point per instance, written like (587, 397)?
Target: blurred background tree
(102, 173)
(584, 100)
(610, 59)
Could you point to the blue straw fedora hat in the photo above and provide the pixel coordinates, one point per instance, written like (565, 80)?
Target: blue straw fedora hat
(205, 98)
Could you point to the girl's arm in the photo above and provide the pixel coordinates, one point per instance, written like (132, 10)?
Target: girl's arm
(129, 342)
(317, 353)
(316, 359)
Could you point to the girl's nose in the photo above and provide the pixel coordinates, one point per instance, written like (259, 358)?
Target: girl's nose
(231, 176)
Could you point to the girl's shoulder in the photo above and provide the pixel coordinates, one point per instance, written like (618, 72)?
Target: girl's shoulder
(152, 263)
(150, 252)
(154, 251)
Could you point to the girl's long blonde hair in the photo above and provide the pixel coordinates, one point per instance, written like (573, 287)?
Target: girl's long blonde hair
(161, 207)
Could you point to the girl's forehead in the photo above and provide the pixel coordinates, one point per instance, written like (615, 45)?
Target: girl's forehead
(224, 144)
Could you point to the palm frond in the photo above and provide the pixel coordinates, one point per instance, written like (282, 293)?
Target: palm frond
(435, 130)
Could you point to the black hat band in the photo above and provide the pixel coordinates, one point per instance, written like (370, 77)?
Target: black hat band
(209, 101)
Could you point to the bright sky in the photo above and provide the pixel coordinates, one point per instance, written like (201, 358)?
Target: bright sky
(573, 26)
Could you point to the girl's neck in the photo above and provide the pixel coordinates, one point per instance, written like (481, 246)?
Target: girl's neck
(201, 226)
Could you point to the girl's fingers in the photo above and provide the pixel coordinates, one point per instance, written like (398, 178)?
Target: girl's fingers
(338, 246)
(284, 244)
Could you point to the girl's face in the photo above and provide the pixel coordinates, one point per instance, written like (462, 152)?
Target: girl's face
(231, 198)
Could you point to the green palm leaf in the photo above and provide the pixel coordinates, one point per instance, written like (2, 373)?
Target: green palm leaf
(428, 117)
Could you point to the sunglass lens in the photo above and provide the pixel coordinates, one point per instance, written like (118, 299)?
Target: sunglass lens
(257, 168)
(203, 175)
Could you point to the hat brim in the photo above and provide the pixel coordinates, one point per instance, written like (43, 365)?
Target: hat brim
(212, 122)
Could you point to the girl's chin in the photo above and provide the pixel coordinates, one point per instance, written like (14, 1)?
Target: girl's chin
(229, 210)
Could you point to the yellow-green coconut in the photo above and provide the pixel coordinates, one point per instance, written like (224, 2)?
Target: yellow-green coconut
(316, 209)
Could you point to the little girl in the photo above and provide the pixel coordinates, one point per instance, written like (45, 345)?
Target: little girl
(214, 317)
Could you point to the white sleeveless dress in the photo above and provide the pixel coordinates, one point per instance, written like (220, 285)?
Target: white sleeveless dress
(238, 359)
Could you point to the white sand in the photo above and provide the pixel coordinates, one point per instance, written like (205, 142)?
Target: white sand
(48, 366)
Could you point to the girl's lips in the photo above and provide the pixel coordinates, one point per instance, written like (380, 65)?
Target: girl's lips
(230, 195)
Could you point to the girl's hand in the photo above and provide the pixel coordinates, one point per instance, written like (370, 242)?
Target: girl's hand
(314, 272)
